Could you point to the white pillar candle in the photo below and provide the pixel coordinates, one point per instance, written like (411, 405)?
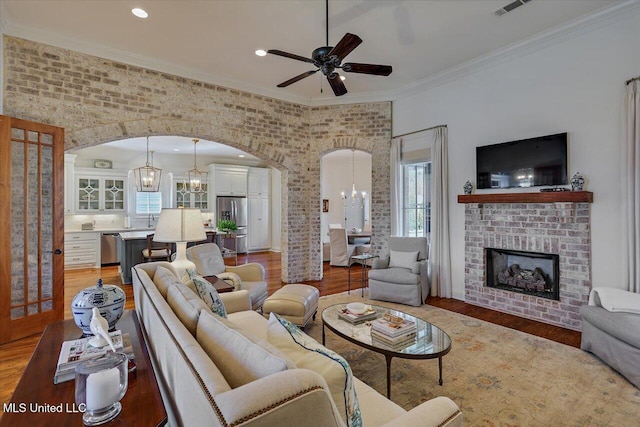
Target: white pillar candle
(103, 389)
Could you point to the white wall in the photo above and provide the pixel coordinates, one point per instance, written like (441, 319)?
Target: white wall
(572, 84)
(336, 176)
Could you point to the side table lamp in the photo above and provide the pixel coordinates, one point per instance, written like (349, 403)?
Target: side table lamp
(180, 226)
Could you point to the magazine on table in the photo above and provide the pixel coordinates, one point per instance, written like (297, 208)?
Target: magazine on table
(394, 345)
(393, 326)
(73, 352)
(393, 340)
(350, 317)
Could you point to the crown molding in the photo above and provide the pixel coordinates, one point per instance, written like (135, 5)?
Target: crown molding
(570, 29)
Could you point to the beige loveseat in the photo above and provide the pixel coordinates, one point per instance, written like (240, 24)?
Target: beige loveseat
(196, 393)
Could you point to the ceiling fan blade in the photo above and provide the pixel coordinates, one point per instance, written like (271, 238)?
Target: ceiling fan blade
(378, 70)
(290, 55)
(297, 78)
(345, 46)
(336, 84)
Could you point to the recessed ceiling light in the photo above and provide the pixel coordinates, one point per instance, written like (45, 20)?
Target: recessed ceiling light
(176, 149)
(261, 52)
(343, 78)
(240, 155)
(140, 13)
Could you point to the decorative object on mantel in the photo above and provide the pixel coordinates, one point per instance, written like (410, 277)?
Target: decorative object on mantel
(109, 299)
(147, 176)
(577, 182)
(467, 187)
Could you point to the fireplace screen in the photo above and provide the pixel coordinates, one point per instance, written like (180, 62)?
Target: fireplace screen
(529, 273)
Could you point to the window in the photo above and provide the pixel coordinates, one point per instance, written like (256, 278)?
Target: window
(416, 204)
(148, 203)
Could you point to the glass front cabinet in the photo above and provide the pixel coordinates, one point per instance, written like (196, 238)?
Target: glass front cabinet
(100, 192)
(185, 199)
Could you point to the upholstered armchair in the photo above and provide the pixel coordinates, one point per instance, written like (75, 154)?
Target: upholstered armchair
(251, 276)
(401, 273)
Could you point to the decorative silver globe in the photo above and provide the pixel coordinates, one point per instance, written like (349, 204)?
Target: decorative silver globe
(109, 299)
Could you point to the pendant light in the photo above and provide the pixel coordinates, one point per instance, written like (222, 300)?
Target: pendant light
(147, 176)
(354, 194)
(197, 178)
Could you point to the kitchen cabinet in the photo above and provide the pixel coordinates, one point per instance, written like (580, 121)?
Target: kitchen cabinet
(81, 250)
(230, 180)
(259, 183)
(259, 227)
(184, 199)
(98, 191)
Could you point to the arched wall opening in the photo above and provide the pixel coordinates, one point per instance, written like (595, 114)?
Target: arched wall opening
(111, 101)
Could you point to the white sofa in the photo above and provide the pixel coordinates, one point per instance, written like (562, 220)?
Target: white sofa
(196, 393)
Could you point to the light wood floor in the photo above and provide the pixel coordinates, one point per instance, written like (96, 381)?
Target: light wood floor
(15, 355)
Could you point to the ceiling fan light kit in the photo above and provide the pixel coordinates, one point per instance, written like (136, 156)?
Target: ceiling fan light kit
(328, 59)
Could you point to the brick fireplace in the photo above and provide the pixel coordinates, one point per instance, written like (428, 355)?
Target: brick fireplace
(543, 223)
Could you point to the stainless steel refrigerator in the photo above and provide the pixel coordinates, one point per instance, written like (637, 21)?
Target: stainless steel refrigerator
(235, 209)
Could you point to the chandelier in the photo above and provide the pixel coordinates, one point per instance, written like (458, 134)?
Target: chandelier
(353, 198)
(147, 176)
(197, 178)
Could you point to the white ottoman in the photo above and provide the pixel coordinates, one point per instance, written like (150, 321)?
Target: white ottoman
(296, 302)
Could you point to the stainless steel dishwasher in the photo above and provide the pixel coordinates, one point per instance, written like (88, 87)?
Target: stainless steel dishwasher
(109, 248)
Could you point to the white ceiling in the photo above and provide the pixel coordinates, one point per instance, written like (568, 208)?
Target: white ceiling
(215, 40)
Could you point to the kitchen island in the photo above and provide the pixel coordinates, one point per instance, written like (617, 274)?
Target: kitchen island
(130, 249)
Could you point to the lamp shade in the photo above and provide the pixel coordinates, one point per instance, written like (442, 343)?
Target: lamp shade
(179, 225)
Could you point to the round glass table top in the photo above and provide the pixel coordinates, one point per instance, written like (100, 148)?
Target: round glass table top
(430, 341)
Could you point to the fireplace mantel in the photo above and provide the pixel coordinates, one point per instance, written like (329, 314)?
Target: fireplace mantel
(546, 197)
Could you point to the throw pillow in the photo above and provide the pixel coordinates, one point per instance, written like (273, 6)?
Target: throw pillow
(307, 353)
(208, 293)
(403, 259)
(163, 278)
(239, 360)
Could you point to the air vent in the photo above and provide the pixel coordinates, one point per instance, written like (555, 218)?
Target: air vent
(511, 6)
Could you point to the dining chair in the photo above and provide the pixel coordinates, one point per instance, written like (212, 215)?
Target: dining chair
(156, 251)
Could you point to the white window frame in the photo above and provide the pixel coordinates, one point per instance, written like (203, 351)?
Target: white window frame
(421, 206)
(139, 197)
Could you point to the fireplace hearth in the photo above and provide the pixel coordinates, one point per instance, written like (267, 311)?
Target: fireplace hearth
(547, 223)
(530, 273)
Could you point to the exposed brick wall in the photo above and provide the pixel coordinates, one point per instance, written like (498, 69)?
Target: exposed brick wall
(557, 228)
(98, 100)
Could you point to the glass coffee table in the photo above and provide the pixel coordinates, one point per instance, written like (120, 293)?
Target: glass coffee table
(430, 342)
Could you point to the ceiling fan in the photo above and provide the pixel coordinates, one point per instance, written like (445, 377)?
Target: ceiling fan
(328, 59)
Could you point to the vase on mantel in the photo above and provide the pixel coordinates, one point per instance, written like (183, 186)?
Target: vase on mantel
(577, 182)
(467, 187)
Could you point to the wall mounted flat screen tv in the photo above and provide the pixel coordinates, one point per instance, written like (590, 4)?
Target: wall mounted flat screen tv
(525, 163)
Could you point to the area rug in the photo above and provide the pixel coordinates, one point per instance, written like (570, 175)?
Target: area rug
(496, 375)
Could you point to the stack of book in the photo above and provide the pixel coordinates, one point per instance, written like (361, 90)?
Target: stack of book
(355, 319)
(75, 351)
(393, 331)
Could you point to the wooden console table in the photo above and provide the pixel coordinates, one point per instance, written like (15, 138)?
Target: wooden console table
(141, 406)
